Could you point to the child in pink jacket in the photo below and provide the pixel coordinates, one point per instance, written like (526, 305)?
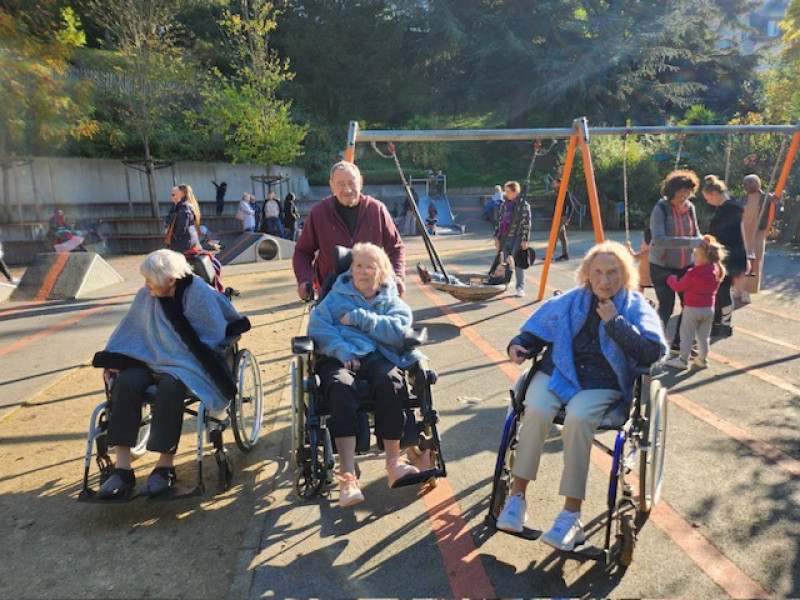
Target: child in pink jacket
(699, 286)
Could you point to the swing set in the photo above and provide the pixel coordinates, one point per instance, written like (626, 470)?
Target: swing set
(579, 137)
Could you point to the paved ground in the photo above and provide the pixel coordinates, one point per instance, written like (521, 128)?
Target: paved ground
(728, 525)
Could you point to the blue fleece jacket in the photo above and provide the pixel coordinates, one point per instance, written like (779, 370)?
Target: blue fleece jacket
(559, 320)
(378, 324)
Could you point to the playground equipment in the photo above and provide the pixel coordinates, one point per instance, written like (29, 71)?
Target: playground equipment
(578, 136)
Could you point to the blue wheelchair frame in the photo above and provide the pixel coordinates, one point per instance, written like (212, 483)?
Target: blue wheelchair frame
(642, 428)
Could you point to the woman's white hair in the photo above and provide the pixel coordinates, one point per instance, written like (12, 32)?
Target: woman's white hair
(384, 264)
(162, 265)
(630, 275)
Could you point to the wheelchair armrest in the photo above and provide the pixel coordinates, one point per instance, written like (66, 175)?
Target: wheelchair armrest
(302, 344)
(642, 369)
(415, 337)
(229, 340)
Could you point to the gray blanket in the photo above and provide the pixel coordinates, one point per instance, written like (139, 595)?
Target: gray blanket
(147, 335)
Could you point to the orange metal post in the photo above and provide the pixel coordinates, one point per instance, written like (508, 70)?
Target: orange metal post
(350, 149)
(591, 184)
(787, 166)
(562, 193)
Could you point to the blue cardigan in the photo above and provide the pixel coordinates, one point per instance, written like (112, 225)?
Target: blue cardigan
(559, 320)
(378, 324)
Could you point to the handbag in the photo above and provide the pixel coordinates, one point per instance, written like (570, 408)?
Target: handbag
(241, 215)
(524, 258)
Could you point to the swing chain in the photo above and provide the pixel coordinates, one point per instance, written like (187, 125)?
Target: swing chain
(625, 186)
(728, 157)
(681, 138)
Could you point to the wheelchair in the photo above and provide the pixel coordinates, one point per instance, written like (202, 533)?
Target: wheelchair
(640, 437)
(244, 415)
(312, 446)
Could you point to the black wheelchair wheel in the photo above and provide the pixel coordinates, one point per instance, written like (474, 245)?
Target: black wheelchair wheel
(140, 447)
(501, 483)
(305, 485)
(298, 411)
(627, 540)
(651, 465)
(247, 408)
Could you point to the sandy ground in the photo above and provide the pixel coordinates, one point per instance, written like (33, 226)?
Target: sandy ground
(56, 547)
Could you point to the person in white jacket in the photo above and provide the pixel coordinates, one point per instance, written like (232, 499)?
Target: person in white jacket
(246, 208)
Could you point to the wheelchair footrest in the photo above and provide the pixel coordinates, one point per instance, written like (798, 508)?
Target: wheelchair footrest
(526, 534)
(421, 477)
(176, 493)
(89, 496)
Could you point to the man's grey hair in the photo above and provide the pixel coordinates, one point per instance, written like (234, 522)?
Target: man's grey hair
(344, 165)
(752, 177)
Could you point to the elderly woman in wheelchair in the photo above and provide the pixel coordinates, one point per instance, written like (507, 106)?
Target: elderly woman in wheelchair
(169, 339)
(359, 330)
(593, 336)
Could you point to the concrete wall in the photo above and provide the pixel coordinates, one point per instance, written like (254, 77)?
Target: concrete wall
(81, 181)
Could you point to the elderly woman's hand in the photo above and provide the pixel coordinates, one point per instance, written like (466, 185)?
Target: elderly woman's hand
(345, 320)
(517, 354)
(606, 310)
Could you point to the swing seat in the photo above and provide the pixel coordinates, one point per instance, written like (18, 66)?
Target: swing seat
(474, 291)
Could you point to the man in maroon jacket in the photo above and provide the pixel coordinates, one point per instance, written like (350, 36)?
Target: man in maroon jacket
(346, 217)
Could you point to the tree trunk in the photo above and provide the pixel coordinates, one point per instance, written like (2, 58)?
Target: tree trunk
(151, 176)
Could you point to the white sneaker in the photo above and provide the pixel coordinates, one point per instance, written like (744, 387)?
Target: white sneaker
(676, 363)
(513, 516)
(699, 364)
(566, 532)
(520, 293)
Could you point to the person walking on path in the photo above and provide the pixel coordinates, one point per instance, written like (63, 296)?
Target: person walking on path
(726, 225)
(566, 215)
(515, 233)
(290, 216)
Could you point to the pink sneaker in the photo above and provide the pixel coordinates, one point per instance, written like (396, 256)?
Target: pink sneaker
(349, 492)
(397, 468)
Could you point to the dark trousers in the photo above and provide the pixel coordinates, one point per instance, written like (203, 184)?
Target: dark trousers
(723, 308)
(387, 391)
(666, 296)
(127, 398)
(220, 205)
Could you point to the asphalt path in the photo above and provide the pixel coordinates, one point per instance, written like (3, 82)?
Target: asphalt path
(728, 524)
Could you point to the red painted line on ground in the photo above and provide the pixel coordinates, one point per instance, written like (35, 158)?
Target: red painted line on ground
(705, 555)
(760, 447)
(52, 276)
(65, 323)
(462, 562)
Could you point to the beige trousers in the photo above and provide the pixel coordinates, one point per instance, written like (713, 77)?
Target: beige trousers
(584, 411)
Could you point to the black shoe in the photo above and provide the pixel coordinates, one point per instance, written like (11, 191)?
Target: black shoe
(563, 257)
(721, 331)
(160, 480)
(121, 483)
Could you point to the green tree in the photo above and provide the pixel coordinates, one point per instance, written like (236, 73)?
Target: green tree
(244, 107)
(152, 71)
(40, 107)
